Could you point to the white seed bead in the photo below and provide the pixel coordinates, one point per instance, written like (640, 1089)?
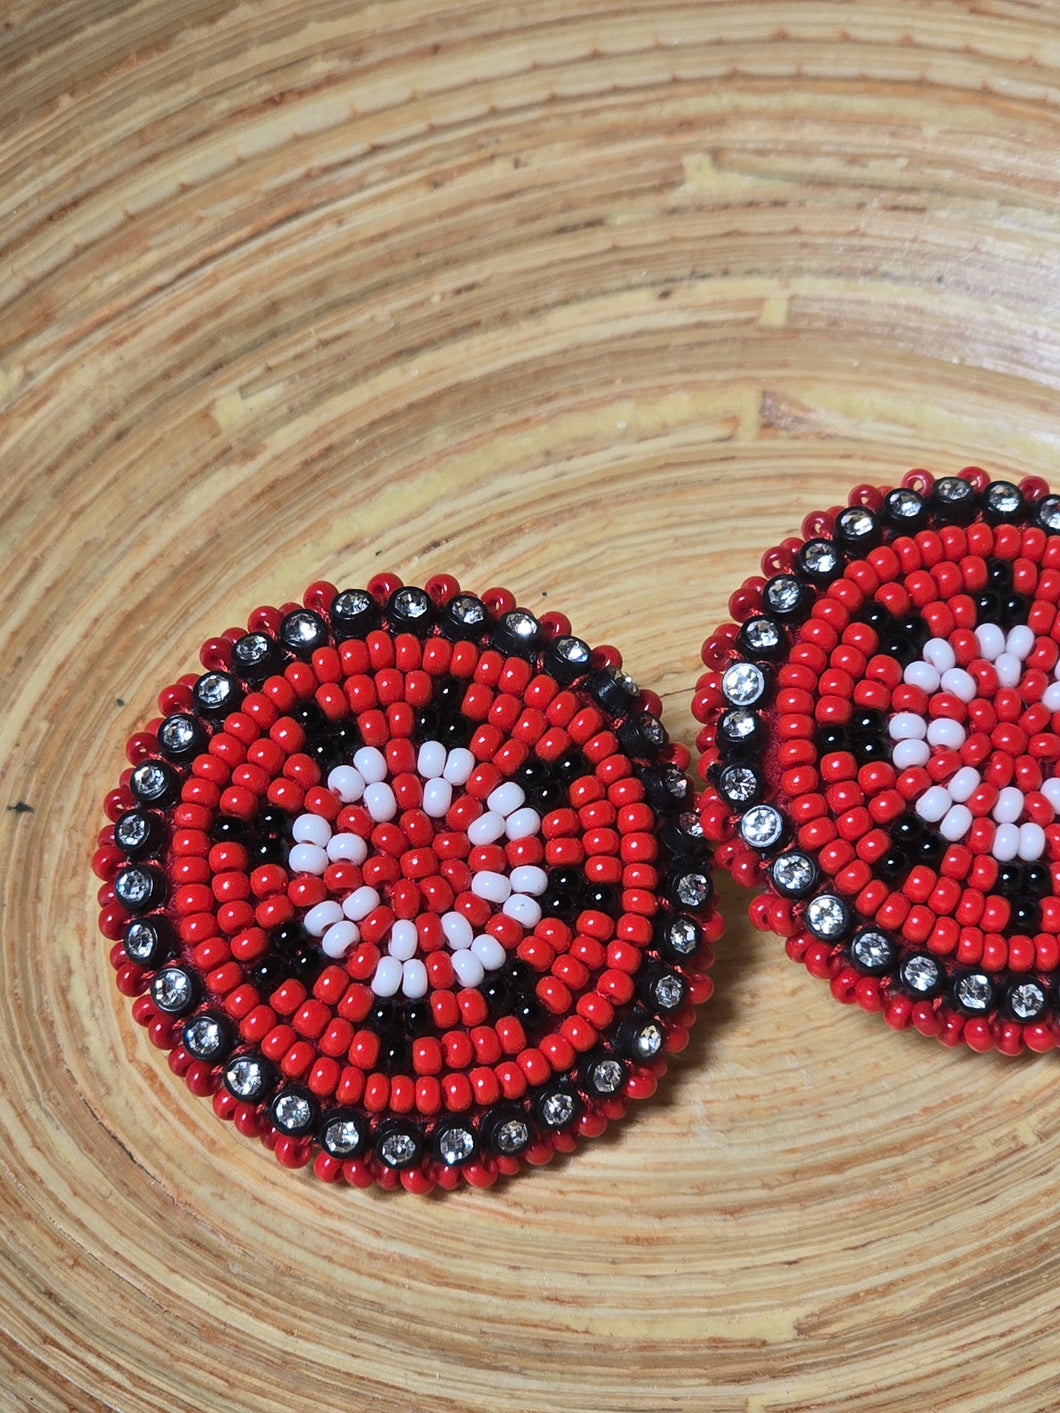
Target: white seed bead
(431, 760)
(307, 858)
(907, 754)
(494, 887)
(1051, 697)
(1006, 843)
(944, 732)
(458, 931)
(379, 801)
(1009, 670)
(955, 823)
(371, 763)
(907, 726)
(319, 918)
(1009, 805)
(347, 783)
(414, 980)
(469, 970)
(489, 951)
(1032, 841)
(437, 797)
(388, 976)
(1051, 791)
(991, 641)
(527, 878)
(526, 911)
(311, 829)
(486, 828)
(922, 675)
(962, 684)
(933, 803)
(1020, 641)
(339, 938)
(360, 903)
(964, 784)
(522, 824)
(458, 766)
(404, 939)
(939, 653)
(350, 848)
(506, 798)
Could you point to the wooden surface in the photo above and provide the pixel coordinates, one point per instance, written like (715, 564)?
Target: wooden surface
(588, 299)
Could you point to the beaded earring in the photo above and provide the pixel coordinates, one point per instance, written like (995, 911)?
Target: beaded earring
(880, 747)
(409, 883)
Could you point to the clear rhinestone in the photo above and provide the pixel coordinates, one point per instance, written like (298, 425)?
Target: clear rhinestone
(975, 992)
(675, 783)
(669, 992)
(559, 1109)
(342, 1137)
(398, 1150)
(820, 556)
(762, 826)
(783, 593)
(456, 1145)
(133, 887)
(411, 603)
(150, 780)
(953, 490)
(512, 1136)
(1027, 1001)
(872, 950)
(573, 651)
(467, 611)
(761, 635)
(651, 729)
(738, 724)
(351, 603)
(794, 873)
(1048, 510)
(292, 1112)
(648, 1041)
(743, 683)
(177, 734)
(920, 974)
(140, 942)
(856, 523)
(692, 890)
(204, 1037)
(739, 784)
(213, 690)
(607, 1076)
(245, 1077)
(1003, 498)
(827, 917)
(625, 681)
(683, 936)
(905, 504)
(691, 827)
(522, 624)
(301, 628)
(251, 649)
(172, 990)
(132, 830)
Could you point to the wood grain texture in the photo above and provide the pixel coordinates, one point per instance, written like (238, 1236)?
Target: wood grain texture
(596, 301)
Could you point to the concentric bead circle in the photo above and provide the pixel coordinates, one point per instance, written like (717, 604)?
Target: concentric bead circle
(881, 749)
(409, 882)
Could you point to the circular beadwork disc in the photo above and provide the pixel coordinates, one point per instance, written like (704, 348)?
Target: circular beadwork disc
(410, 883)
(881, 749)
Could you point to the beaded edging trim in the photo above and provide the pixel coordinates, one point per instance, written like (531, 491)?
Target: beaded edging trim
(880, 746)
(410, 884)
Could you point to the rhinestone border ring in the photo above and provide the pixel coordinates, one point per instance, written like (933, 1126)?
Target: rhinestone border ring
(881, 750)
(410, 884)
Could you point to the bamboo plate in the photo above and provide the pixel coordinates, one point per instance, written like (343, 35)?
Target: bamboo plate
(596, 302)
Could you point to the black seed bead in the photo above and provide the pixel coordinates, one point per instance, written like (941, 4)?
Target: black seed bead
(868, 719)
(346, 738)
(546, 797)
(308, 715)
(226, 829)
(307, 964)
(454, 731)
(428, 723)
(526, 1009)
(419, 1019)
(1037, 880)
(267, 974)
(497, 994)
(870, 748)
(832, 738)
(518, 974)
(288, 938)
(383, 1017)
(988, 606)
(268, 850)
(930, 849)
(907, 830)
(1026, 916)
(603, 898)
(1014, 610)
(1010, 880)
(876, 616)
(999, 575)
(570, 767)
(893, 866)
(395, 1055)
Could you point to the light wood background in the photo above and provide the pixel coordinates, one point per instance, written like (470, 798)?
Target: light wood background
(591, 299)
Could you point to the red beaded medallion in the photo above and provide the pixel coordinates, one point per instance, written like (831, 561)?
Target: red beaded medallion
(881, 749)
(409, 883)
